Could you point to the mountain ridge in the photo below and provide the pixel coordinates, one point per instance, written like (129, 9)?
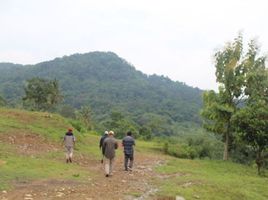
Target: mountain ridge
(106, 82)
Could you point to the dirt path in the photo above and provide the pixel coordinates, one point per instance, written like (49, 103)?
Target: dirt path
(123, 185)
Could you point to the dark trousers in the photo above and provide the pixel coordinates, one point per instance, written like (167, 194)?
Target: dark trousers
(130, 158)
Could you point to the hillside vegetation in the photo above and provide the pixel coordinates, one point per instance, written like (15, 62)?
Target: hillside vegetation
(32, 166)
(109, 84)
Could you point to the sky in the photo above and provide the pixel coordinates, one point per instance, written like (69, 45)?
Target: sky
(174, 38)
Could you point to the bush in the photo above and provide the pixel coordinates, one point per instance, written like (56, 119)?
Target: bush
(194, 146)
(78, 125)
(180, 151)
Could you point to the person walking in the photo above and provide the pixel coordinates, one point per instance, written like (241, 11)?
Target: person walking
(128, 143)
(69, 141)
(110, 145)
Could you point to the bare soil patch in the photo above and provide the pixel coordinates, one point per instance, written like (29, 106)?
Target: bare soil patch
(27, 143)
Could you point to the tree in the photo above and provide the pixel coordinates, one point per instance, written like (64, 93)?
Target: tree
(145, 132)
(120, 124)
(85, 115)
(54, 96)
(216, 115)
(252, 125)
(41, 94)
(2, 101)
(251, 121)
(219, 108)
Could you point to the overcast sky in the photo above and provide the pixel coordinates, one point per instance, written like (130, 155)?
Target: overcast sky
(173, 38)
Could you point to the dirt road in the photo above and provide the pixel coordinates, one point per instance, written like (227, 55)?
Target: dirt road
(125, 185)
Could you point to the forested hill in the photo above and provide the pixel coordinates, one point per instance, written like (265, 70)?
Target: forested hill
(108, 83)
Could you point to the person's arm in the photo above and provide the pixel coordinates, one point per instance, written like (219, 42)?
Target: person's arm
(116, 145)
(63, 140)
(104, 146)
(101, 141)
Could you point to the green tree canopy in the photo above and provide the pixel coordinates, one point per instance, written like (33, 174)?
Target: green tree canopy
(251, 120)
(41, 94)
(219, 108)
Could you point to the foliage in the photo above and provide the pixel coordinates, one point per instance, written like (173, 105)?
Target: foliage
(251, 121)
(231, 72)
(252, 126)
(85, 116)
(218, 109)
(242, 102)
(121, 125)
(145, 133)
(2, 101)
(66, 111)
(41, 94)
(193, 145)
(78, 125)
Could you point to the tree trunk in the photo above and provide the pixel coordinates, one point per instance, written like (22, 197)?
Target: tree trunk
(226, 145)
(259, 162)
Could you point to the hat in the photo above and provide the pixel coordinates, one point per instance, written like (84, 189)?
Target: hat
(111, 133)
(70, 129)
(106, 132)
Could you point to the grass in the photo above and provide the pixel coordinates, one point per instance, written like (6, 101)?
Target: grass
(215, 180)
(148, 146)
(23, 168)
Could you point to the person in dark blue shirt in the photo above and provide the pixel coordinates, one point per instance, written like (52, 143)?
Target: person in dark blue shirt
(128, 143)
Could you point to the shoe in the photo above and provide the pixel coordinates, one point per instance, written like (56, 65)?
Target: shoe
(130, 168)
(70, 160)
(67, 160)
(107, 175)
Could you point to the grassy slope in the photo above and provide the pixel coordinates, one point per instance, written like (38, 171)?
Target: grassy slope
(15, 165)
(215, 180)
(192, 179)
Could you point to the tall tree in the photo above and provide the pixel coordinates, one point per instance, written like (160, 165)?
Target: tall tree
(41, 94)
(251, 121)
(219, 108)
(54, 95)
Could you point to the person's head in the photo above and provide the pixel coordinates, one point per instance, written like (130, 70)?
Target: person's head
(106, 133)
(129, 133)
(70, 130)
(111, 133)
